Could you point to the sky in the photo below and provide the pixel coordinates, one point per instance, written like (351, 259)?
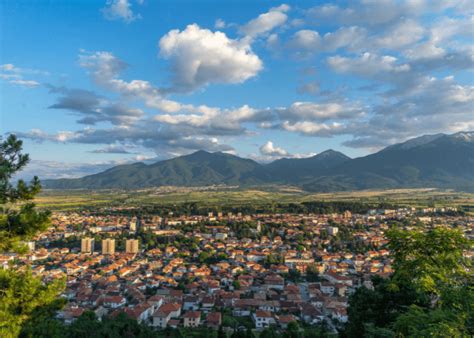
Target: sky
(92, 84)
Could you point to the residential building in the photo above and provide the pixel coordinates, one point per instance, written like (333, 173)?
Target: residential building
(192, 319)
(87, 245)
(132, 246)
(108, 246)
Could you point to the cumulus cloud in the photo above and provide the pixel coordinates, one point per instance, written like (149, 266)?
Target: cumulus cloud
(306, 42)
(268, 149)
(387, 44)
(379, 13)
(266, 22)
(433, 106)
(367, 64)
(403, 33)
(148, 135)
(200, 57)
(120, 10)
(314, 128)
(310, 111)
(105, 68)
(216, 121)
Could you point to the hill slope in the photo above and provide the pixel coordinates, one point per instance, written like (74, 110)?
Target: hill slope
(292, 170)
(444, 161)
(197, 169)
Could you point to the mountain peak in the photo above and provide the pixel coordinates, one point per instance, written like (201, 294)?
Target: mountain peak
(201, 152)
(330, 153)
(467, 136)
(415, 142)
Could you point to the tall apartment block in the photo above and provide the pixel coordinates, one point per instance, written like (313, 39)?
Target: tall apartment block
(108, 246)
(87, 245)
(131, 246)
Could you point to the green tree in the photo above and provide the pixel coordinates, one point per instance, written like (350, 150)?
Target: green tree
(293, 330)
(221, 333)
(312, 273)
(432, 260)
(236, 284)
(269, 332)
(22, 295)
(430, 293)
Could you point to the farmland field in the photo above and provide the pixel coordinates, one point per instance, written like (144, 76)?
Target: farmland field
(224, 196)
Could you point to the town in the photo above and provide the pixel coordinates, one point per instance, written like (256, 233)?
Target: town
(231, 270)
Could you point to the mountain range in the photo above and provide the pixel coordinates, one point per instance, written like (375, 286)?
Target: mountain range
(440, 161)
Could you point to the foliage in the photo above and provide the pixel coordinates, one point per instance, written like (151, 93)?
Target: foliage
(22, 295)
(430, 293)
(431, 259)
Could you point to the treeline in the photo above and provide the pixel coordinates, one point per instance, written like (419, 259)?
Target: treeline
(88, 325)
(196, 208)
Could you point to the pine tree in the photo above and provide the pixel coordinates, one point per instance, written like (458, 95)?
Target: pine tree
(23, 297)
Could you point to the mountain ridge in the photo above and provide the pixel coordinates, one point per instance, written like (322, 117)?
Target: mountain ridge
(440, 161)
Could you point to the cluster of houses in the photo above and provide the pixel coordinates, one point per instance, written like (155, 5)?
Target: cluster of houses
(169, 287)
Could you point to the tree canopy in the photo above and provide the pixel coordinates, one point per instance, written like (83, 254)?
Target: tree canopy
(430, 293)
(22, 295)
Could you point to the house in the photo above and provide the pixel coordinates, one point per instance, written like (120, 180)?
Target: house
(70, 314)
(274, 282)
(262, 319)
(192, 319)
(214, 320)
(327, 288)
(284, 320)
(335, 278)
(191, 303)
(310, 314)
(156, 301)
(208, 303)
(142, 312)
(163, 315)
(340, 314)
(113, 301)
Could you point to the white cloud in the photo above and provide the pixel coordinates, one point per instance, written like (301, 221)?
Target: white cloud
(25, 83)
(15, 75)
(308, 42)
(103, 65)
(306, 39)
(268, 149)
(112, 149)
(200, 57)
(219, 24)
(299, 111)
(266, 22)
(367, 64)
(403, 33)
(314, 128)
(119, 10)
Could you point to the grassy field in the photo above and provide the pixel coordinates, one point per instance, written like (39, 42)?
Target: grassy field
(61, 199)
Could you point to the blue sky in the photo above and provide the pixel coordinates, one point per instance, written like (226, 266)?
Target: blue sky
(90, 84)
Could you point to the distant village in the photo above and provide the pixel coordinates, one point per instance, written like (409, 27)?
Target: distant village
(220, 269)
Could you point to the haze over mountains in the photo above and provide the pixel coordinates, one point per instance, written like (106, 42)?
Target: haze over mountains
(441, 161)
